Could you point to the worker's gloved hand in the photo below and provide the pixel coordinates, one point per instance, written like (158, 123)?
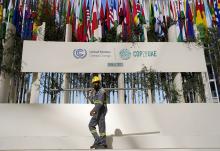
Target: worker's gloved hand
(92, 113)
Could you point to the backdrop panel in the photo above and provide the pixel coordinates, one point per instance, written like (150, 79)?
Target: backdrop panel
(72, 57)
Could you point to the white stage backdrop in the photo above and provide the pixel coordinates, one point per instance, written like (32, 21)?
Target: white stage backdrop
(98, 57)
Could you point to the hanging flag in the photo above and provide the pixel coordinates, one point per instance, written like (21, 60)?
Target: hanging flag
(68, 12)
(28, 22)
(189, 23)
(202, 10)
(159, 20)
(73, 20)
(135, 13)
(182, 19)
(121, 14)
(208, 14)
(10, 11)
(217, 14)
(1, 11)
(152, 18)
(143, 11)
(212, 11)
(128, 19)
(88, 18)
(107, 16)
(201, 25)
(17, 19)
(94, 17)
(111, 14)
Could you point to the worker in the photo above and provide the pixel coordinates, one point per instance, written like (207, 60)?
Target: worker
(98, 113)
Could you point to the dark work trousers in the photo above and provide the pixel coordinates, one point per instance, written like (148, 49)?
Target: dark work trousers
(99, 119)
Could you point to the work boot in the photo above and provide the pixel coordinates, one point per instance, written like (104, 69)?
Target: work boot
(94, 146)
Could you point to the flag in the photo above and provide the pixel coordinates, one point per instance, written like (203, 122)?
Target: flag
(111, 14)
(189, 23)
(1, 11)
(73, 20)
(17, 18)
(94, 17)
(159, 20)
(208, 14)
(28, 22)
(212, 11)
(88, 23)
(135, 13)
(10, 11)
(107, 16)
(68, 12)
(217, 14)
(200, 20)
(128, 19)
(152, 18)
(115, 8)
(121, 14)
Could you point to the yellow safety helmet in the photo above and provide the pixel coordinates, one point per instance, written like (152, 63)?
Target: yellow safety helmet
(95, 79)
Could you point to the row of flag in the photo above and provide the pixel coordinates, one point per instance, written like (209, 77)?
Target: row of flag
(90, 16)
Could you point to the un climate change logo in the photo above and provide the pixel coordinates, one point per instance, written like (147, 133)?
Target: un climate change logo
(79, 53)
(125, 54)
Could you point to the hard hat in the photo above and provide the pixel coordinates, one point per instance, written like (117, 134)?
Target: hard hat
(95, 79)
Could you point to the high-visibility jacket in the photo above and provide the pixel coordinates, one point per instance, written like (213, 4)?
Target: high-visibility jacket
(98, 99)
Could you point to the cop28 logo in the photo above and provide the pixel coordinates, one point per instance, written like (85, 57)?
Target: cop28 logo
(79, 53)
(125, 54)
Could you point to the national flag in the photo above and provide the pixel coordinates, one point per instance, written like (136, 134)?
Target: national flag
(17, 19)
(135, 13)
(121, 14)
(68, 15)
(152, 18)
(94, 17)
(10, 11)
(200, 23)
(111, 14)
(73, 19)
(212, 11)
(189, 23)
(1, 11)
(80, 23)
(217, 14)
(107, 16)
(88, 18)
(208, 14)
(28, 22)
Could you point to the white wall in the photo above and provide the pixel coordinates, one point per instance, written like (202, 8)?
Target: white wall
(72, 120)
(55, 127)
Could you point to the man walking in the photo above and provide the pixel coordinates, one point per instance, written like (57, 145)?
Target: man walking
(98, 98)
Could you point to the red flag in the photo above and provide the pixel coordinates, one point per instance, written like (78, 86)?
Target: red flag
(120, 11)
(68, 12)
(84, 22)
(107, 13)
(94, 17)
(102, 15)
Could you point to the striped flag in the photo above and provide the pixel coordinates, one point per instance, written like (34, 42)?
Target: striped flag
(111, 14)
